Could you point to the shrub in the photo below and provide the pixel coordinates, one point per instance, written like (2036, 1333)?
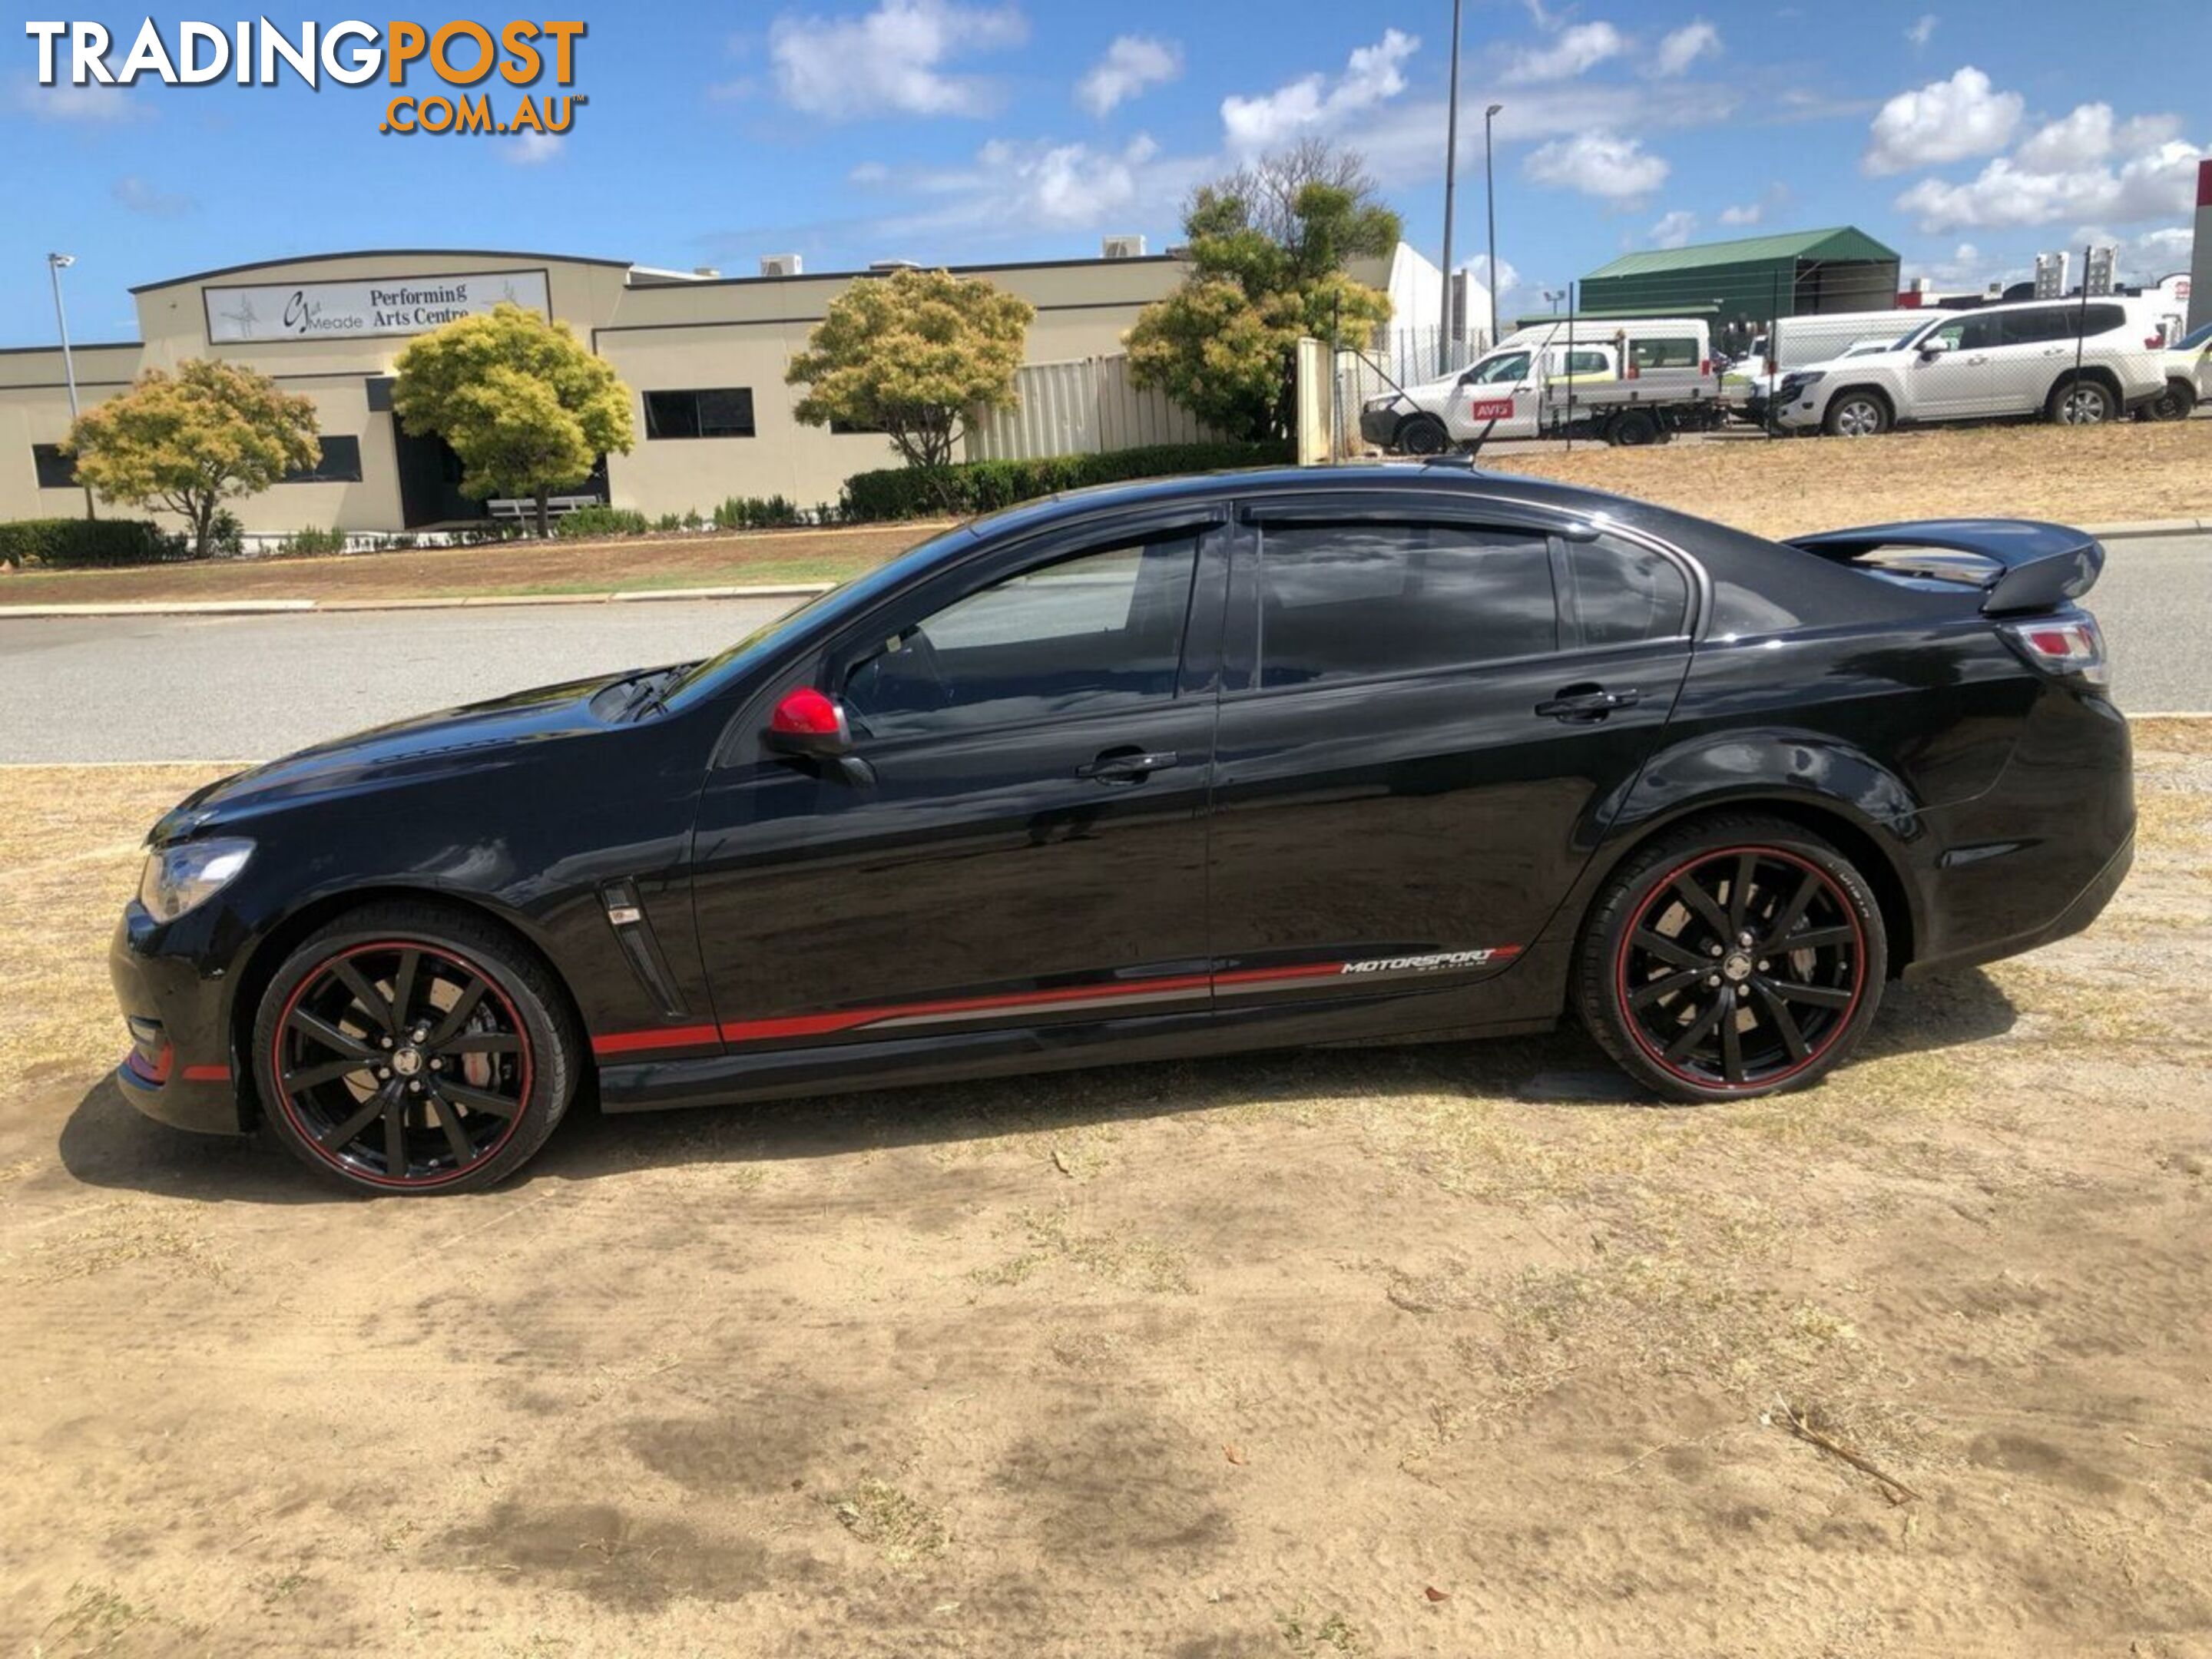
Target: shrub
(754, 513)
(312, 541)
(910, 492)
(668, 522)
(601, 521)
(66, 542)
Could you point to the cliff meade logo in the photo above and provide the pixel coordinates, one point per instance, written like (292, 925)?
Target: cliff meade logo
(256, 52)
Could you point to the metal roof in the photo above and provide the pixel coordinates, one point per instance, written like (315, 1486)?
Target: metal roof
(1841, 242)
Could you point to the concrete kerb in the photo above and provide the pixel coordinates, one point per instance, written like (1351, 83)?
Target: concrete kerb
(457, 602)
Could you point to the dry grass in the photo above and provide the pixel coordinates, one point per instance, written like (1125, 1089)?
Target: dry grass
(2104, 474)
(1248, 1357)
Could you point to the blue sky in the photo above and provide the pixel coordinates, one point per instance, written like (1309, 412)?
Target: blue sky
(1966, 135)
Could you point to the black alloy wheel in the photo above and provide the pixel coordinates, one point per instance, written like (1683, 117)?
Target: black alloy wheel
(1732, 964)
(413, 1058)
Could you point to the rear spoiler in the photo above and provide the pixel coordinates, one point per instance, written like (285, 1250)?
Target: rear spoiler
(2022, 564)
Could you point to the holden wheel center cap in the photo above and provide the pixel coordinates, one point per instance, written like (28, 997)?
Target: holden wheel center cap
(1736, 968)
(407, 1062)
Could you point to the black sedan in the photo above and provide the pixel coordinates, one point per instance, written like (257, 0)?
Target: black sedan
(1168, 769)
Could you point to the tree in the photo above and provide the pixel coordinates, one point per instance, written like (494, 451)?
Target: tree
(1268, 245)
(527, 408)
(909, 355)
(192, 441)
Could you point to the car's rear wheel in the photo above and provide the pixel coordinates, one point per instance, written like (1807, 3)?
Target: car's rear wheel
(1740, 956)
(2082, 403)
(1423, 434)
(1633, 428)
(407, 1049)
(1857, 414)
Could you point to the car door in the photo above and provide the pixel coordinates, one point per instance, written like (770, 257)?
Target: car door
(1958, 383)
(1016, 837)
(1428, 714)
(1496, 398)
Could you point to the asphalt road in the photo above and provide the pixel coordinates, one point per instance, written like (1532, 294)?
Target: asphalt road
(246, 688)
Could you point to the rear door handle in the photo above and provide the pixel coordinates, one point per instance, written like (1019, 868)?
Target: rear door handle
(1127, 765)
(1588, 702)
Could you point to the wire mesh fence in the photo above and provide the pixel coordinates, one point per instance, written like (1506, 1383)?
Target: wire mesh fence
(1798, 347)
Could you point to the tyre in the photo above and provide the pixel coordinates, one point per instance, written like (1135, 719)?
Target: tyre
(1633, 428)
(2082, 402)
(2173, 403)
(1857, 414)
(1423, 434)
(410, 1048)
(1738, 956)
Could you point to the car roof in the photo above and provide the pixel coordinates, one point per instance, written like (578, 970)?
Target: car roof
(1445, 477)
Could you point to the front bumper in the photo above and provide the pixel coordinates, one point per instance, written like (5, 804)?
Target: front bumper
(1379, 426)
(178, 1069)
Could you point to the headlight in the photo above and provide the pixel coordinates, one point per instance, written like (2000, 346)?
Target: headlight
(1798, 382)
(177, 878)
(1376, 405)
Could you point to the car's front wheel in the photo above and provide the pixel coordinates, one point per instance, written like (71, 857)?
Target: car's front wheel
(408, 1048)
(1857, 414)
(1423, 434)
(1739, 956)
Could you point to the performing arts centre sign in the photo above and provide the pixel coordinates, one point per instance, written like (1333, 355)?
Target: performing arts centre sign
(356, 310)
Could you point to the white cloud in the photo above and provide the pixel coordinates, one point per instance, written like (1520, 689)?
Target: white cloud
(1131, 64)
(890, 60)
(2154, 184)
(1013, 187)
(530, 149)
(1372, 75)
(1943, 121)
(1922, 30)
(1745, 213)
(135, 194)
(1599, 163)
(92, 102)
(1574, 51)
(1675, 229)
(1679, 50)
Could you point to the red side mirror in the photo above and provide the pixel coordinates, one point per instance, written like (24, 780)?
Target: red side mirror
(810, 722)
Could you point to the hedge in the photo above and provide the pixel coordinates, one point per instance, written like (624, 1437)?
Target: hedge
(88, 541)
(601, 521)
(910, 492)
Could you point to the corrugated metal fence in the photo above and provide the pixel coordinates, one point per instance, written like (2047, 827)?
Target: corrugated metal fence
(1083, 406)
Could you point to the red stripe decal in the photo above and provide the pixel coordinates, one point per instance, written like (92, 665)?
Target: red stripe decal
(675, 1036)
(207, 1073)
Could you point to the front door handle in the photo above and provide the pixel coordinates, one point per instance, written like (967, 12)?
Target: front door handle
(1127, 765)
(1582, 703)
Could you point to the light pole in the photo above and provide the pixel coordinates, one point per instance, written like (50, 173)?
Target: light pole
(1552, 298)
(1490, 207)
(56, 264)
(1451, 179)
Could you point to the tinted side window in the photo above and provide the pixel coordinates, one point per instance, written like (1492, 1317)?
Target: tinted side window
(1499, 370)
(1621, 594)
(1099, 630)
(2031, 327)
(1342, 602)
(2093, 320)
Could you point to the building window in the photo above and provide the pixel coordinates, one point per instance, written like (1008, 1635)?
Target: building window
(56, 470)
(855, 429)
(341, 464)
(726, 412)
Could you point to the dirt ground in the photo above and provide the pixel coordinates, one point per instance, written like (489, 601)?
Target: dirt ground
(1441, 1350)
(2104, 476)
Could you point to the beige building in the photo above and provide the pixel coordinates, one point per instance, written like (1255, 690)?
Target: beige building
(703, 355)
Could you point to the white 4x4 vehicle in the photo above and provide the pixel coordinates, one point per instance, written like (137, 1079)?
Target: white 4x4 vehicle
(2073, 363)
(2188, 376)
(1498, 396)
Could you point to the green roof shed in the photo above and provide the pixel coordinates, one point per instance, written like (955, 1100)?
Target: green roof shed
(1750, 281)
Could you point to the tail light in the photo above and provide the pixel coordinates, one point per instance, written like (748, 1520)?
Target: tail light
(2065, 647)
(1704, 365)
(2154, 342)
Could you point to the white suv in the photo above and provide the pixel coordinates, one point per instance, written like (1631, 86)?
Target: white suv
(2073, 363)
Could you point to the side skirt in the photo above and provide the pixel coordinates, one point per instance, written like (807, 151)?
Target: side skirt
(1006, 1051)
